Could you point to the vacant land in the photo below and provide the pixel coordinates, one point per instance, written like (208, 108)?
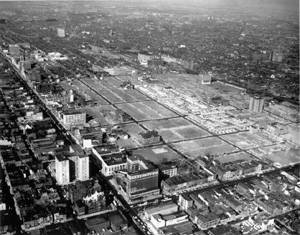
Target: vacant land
(105, 115)
(158, 154)
(133, 131)
(176, 129)
(284, 158)
(84, 91)
(191, 85)
(147, 110)
(196, 148)
(246, 140)
(234, 157)
(111, 89)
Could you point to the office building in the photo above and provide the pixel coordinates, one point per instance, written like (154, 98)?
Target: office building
(256, 104)
(139, 182)
(73, 118)
(139, 186)
(62, 170)
(61, 32)
(111, 160)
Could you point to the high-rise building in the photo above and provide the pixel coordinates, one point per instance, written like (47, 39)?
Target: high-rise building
(61, 32)
(62, 170)
(139, 181)
(70, 167)
(256, 104)
(71, 93)
(83, 170)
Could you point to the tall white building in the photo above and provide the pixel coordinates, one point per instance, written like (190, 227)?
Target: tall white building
(256, 104)
(68, 169)
(62, 170)
(83, 170)
(61, 32)
(71, 96)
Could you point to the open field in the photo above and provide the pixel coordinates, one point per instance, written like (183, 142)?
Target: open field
(158, 154)
(147, 110)
(199, 147)
(246, 140)
(282, 157)
(260, 118)
(191, 85)
(133, 131)
(176, 129)
(233, 157)
(105, 114)
(110, 88)
(84, 91)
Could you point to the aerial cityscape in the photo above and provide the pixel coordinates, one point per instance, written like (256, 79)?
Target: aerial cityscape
(174, 117)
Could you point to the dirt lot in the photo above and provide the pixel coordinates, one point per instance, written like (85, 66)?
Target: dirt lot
(157, 154)
(200, 147)
(147, 110)
(176, 129)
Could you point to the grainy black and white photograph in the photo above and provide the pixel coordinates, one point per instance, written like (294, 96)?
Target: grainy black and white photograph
(149, 117)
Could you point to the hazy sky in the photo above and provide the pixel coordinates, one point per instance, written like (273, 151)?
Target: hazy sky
(282, 5)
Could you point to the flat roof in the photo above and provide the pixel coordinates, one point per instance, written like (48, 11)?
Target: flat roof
(115, 159)
(73, 111)
(107, 149)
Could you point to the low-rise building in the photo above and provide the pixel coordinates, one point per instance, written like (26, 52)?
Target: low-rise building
(110, 161)
(168, 169)
(144, 59)
(186, 182)
(206, 221)
(205, 78)
(149, 137)
(163, 209)
(163, 220)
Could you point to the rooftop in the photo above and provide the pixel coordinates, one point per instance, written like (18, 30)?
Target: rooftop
(115, 159)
